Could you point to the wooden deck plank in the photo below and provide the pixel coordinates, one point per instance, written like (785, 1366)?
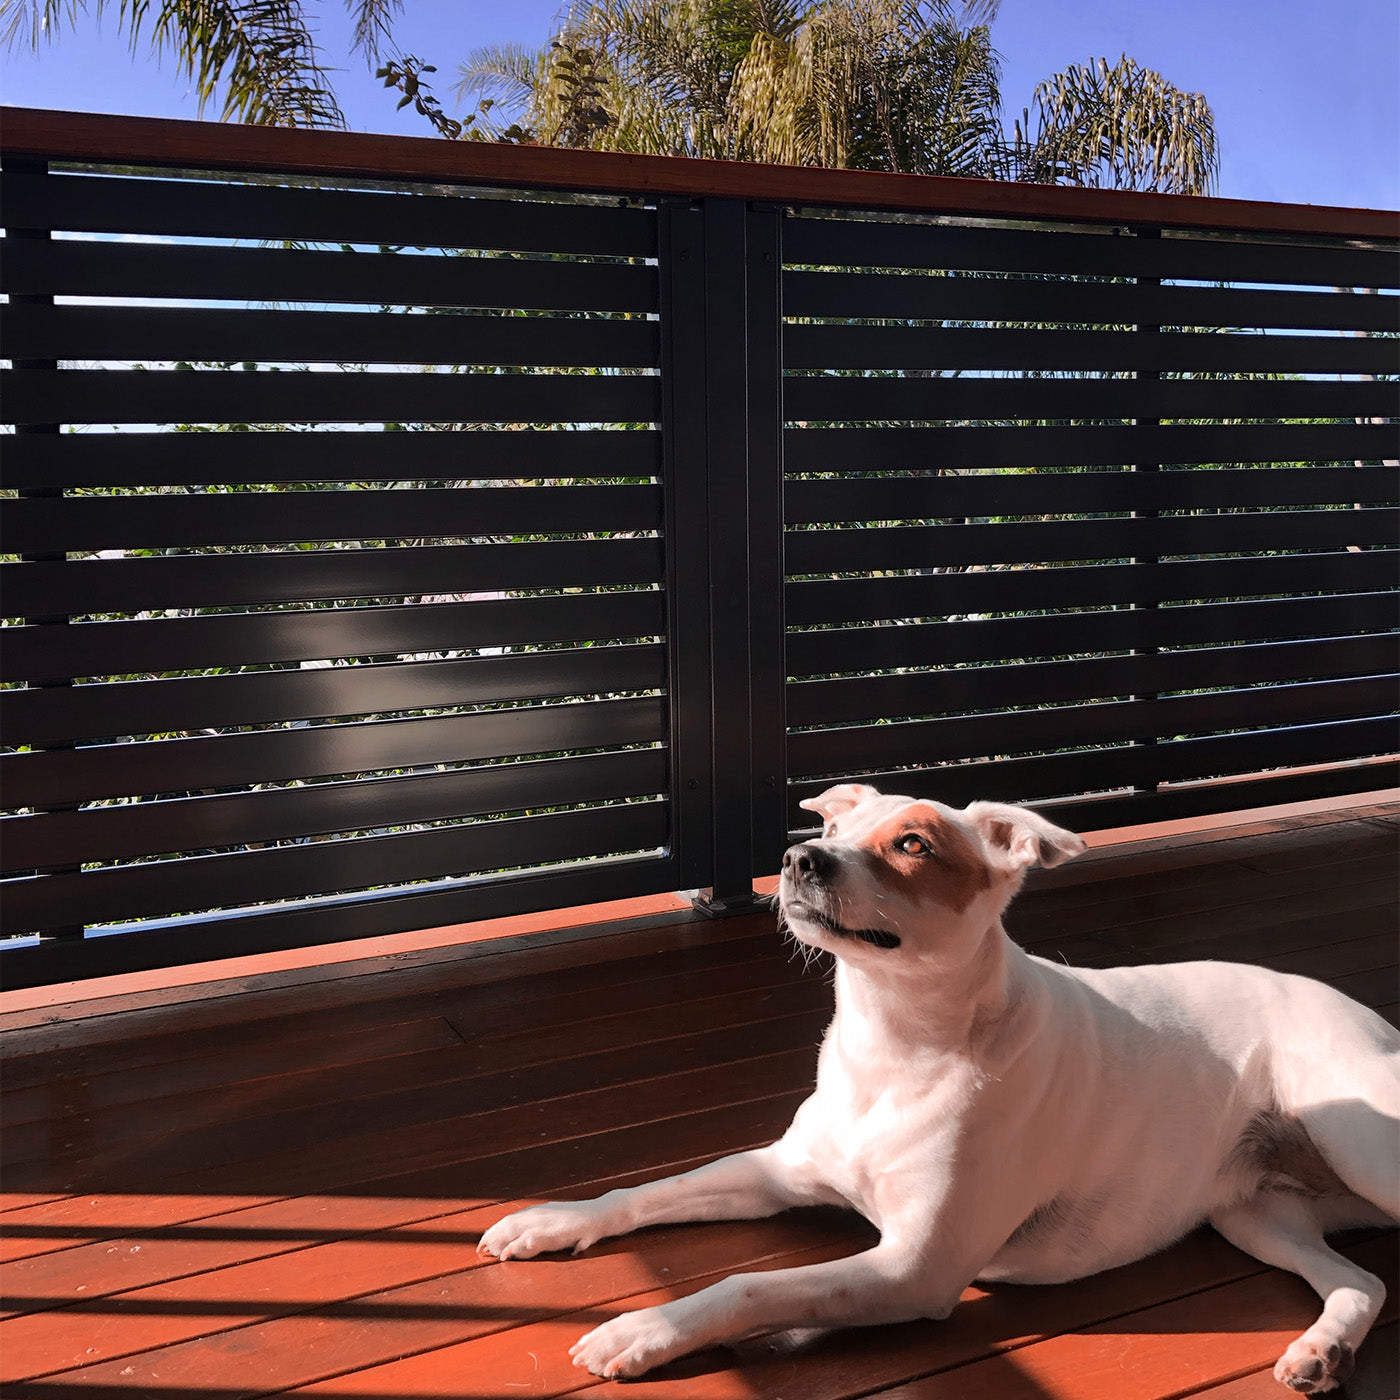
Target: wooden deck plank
(1265, 941)
(106, 1088)
(87, 1273)
(1377, 1374)
(531, 1002)
(1014, 1343)
(74, 1040)
(680, 1132)
(831, 1367)
(282, 1188)
(316, 1339)
(435, 1136)
(493, 1010)
(363, 1279)
(1135, 859)
(463, 1089)
(112, 1241)
(1132, 908)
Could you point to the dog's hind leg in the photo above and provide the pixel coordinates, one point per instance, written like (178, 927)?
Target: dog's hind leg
(1361, 1143)
(1339, 1077)
(1286, 1231)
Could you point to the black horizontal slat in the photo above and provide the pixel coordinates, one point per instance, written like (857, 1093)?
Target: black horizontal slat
(197, 208)
(345, 337)
(187, 273)
(817, 551)
(946, 740)
(819, 601)
(871, 243)
(1066, 774)
(249, 877)
(1172, 802)
(294, 396)
(933, 347)
(279, 814)
(1181, 760)
(163, 943)
(1063, 634)
(242, 639)
(235, 458)
(233, 580)
(1021, 300)
(988, 446)
(275, 517)
(933, 497)
(60, 714)
(859, 399)
(59, 776)
(950, 689)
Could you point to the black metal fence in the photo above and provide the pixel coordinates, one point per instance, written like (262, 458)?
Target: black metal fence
(385, 555)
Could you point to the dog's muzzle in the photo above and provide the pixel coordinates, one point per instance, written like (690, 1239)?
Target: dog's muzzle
(809, 869)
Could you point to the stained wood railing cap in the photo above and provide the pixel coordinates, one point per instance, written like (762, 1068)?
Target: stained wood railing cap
(85, 136)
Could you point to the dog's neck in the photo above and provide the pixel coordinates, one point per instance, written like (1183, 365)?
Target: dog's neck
(943, 1008)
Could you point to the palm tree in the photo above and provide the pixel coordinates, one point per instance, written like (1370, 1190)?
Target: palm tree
(907, 85)
(1125, 127)
(261, 53)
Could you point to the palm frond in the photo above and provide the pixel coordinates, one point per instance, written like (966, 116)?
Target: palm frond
(504, 74)
(259, 53)
(1126, 127)
(32, 22)
(374, 23)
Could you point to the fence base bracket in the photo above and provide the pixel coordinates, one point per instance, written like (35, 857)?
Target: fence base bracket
(726, 906)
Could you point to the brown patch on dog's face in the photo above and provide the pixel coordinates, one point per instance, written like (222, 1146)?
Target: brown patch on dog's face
(924, 857)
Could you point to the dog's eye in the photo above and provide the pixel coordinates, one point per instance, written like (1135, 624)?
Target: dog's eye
(913, 845)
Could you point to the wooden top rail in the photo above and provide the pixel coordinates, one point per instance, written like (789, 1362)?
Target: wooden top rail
(83, 136)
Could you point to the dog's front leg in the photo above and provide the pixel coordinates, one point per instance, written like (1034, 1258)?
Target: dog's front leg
(746, 1186)
(881, 1285)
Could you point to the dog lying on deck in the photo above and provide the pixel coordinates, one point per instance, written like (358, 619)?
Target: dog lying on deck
(999, 1117)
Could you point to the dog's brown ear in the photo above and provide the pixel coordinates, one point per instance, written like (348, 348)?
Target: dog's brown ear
(836, 800)
(1022, 837)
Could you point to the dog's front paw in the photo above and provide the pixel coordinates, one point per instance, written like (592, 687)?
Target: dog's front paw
(630, 1344)
(1312, 1368)
(558, 1225)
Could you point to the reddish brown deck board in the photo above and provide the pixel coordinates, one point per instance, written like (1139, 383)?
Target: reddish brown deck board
(83, 1037)
(103, 1089)
(411, 1098)
(1377, 1374)
(279, 1190)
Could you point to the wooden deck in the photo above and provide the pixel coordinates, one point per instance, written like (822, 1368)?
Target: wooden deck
(275, 1185)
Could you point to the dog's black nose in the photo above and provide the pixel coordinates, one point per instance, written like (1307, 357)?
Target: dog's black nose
(807, 861)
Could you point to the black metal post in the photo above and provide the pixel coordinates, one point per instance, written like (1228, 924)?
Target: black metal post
(724, 428)
(684, 393)
(767, 614)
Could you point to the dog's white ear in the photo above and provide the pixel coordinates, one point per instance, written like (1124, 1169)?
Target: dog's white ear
(836, 800)
(1022, 837)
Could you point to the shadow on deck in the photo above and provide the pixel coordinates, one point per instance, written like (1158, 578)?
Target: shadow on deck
(276, 1185)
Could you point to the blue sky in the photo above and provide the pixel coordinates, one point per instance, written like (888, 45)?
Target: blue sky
(1306, 94)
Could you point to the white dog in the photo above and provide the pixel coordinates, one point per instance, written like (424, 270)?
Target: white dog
(1000, 1117)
